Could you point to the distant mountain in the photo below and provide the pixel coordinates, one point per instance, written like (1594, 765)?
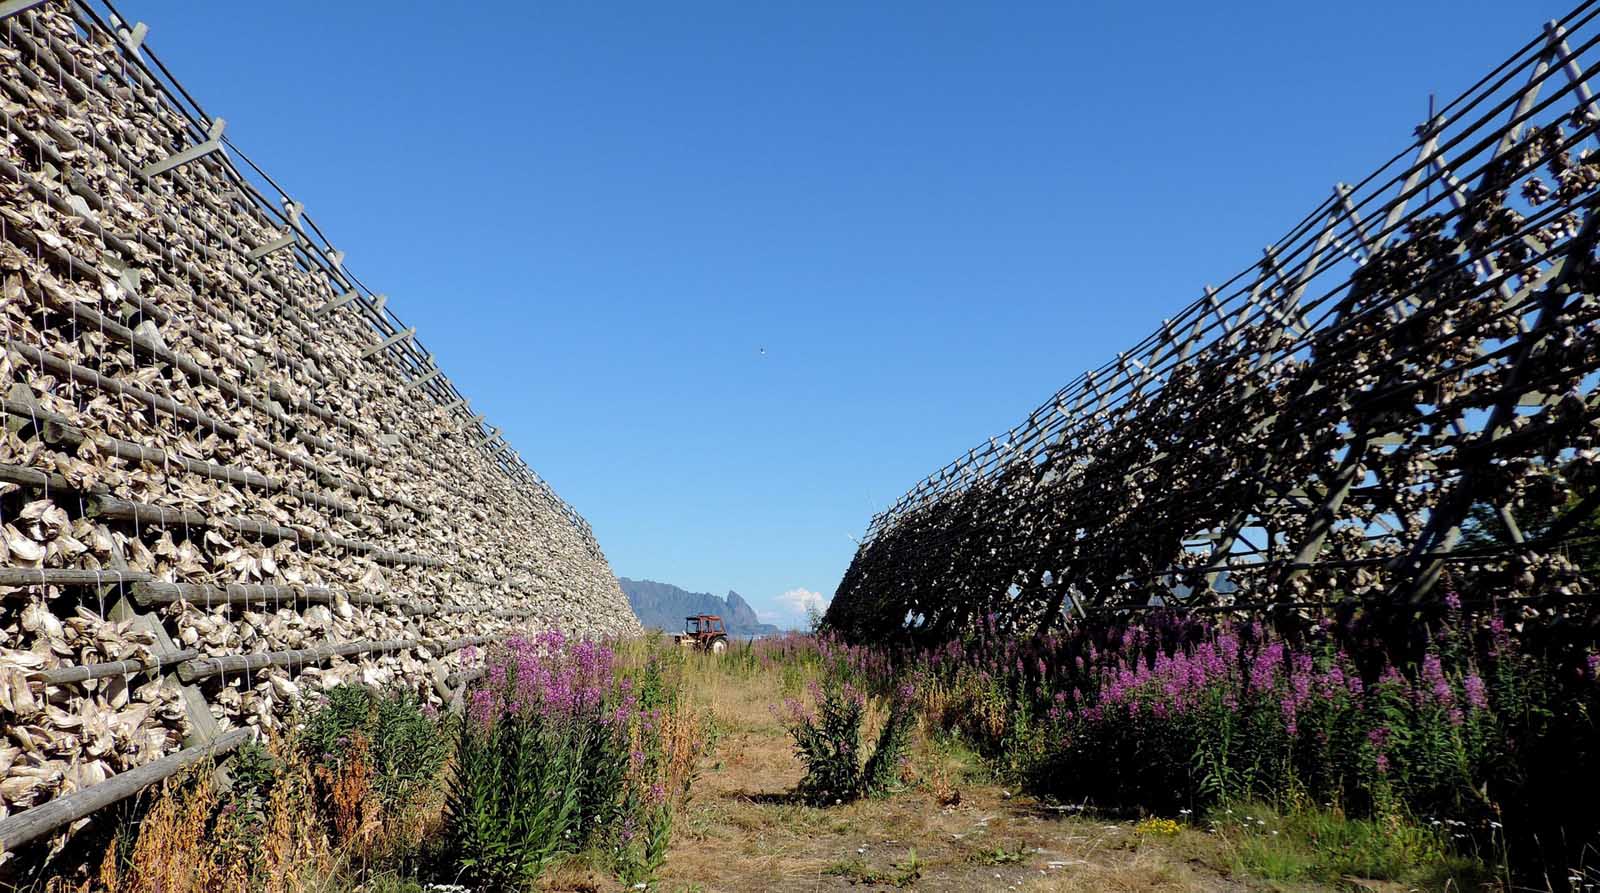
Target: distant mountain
(663, 606)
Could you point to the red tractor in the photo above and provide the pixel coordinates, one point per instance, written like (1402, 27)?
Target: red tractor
(704, 632)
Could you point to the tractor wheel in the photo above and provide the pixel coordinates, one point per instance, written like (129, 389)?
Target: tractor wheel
(719, 645)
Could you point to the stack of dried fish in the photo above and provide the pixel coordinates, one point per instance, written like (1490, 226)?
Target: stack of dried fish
(1417, 357)
(268, 505)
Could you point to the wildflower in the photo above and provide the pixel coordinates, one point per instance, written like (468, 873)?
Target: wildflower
(482, 708)
(1477, 698)
(1433, 678)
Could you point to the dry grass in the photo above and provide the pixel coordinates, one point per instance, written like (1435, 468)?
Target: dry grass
(168, 854)
(185, 845)
(967, 832)
(354, 811)
(1141, 870)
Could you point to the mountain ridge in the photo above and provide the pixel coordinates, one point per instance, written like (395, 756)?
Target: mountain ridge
(664, 606)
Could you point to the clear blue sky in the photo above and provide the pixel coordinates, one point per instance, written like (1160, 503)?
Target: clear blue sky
(930, 216)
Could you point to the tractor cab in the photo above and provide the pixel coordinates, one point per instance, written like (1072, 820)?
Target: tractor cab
(704, 632)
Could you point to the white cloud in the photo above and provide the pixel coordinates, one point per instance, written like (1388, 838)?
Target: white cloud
(793, 608)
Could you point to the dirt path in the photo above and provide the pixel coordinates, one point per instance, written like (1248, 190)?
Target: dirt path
(947, 830)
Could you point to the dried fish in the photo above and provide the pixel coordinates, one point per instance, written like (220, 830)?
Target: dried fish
(172, 372)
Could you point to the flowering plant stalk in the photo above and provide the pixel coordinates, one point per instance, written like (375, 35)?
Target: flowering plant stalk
(540, 759)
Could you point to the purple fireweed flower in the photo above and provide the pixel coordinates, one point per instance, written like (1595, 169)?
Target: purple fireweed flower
(1228, 644)
(1356, 686)
(1477, 698)
(1500, 640)
(1434, 681)
(1333, 681)
(1300, 688)
(1264, 671)
(1383, 764)
(482, 709)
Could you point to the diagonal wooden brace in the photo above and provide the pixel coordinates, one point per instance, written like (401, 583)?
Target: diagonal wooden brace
(213, 143)
(278, 244)
(336, 303)
(433, 372)
(389, 342)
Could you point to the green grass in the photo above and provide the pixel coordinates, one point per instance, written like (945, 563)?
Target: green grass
(855, 870)
(1325, 845)
(1000, 855)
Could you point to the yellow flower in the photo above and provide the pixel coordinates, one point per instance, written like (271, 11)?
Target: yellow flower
(1164, 827)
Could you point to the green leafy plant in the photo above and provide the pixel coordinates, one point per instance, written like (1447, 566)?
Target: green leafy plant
(827, 740)
(1000, 855)
(560, 753)
(405, 742)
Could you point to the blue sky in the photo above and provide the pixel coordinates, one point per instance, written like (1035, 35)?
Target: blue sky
(930, 216)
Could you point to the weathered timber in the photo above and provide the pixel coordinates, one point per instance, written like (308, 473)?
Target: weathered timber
(82, 672)
(29, 825)
(66, 576)
(206, 667)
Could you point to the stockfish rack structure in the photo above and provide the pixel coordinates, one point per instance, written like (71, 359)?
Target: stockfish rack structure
(1412, 360)
(230, 475)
